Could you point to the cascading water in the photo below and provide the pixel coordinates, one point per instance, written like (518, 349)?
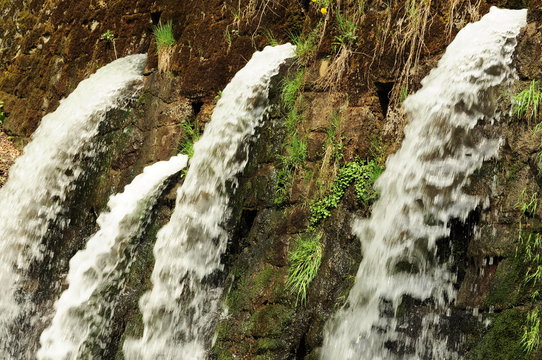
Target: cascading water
(96, 273)
(33, 198)
(422, 190)
(179, 312)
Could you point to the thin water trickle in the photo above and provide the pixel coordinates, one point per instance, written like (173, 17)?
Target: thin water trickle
(422, 190)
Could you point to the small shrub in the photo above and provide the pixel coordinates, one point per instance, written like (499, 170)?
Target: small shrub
(527, 102)
(531, 332)
(304, 261)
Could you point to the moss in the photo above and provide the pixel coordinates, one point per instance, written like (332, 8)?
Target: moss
(506, 288)
(270, 321)
(268, 344)
(502, 341)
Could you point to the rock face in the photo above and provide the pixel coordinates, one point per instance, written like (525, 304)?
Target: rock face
(47, 47)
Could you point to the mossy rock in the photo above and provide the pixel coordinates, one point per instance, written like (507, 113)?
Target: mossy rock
(502, 341)
(270, 321)
(506, 289)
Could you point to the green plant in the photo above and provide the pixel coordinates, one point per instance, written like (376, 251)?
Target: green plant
(291, 88)
(296, 151)
(404, 94)
(164, 38)
(295, 146)
(271, 39)
(527, 205)
(304, 261)
(527, 102)
(362, 173)
(110, 37)
(530, 253)
(2, 114)
(531, 332)
(190, 137)
(347, 31)
(163, 35)
(305, 46)
(333, 141)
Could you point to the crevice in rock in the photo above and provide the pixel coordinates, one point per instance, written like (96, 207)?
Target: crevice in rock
(155, 17)
(383, 90)
(196, 107)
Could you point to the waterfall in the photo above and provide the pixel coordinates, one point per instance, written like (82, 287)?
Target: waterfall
(179, 311)
(422, 190)
(33, 199)
(97, 273)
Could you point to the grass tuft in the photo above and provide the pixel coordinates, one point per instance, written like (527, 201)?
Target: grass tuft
(531, 332)
(190, 137)
(304, 261)
(527, 102)
(163, 35)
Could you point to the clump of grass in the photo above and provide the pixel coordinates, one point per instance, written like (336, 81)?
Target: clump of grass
(527, 102)
(304, 260)
(528, 205)
(190, 136)
(163, 35)
(305, 46)
(530, 253)
(164, 38)
(291, 88)
(295, 146)
(531, 332)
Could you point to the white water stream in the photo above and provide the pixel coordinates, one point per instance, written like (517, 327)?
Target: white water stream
(33, 198)
(422, 190)
(97, 273)
(180, 311)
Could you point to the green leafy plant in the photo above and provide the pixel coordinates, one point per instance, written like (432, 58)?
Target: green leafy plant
(110, 37)
(531, 332)
(527, 102)
(362, 173)
(190, 137)
(304, 261)
(347, 31)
